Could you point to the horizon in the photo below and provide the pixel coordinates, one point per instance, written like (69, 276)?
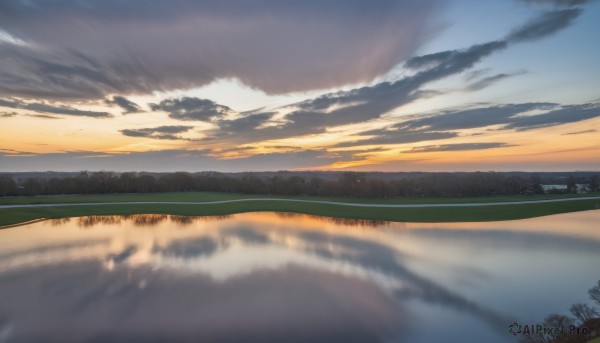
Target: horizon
(303, 171)
(265, 86)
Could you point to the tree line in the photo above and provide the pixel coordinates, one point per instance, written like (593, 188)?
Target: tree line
(582, 326)
(348, 184)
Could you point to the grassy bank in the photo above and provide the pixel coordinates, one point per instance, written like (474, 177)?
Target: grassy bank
(210, 196)
(437, 214)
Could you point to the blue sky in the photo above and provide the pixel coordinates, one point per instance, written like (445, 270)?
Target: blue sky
(568, 57)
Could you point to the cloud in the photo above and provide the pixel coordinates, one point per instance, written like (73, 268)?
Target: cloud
(457, 147)
(545, 24)
(12, 152)
(94, 48)
(316, 115)
(510, 116)
(125, 104)
(562, 115)
(44, 116)
(369, 103)
(45, 108)
(472, 117)
(41, 116)
(445, 124)
(81, 70)
(396, 136)
(489, 80)
(188, 108)
(475, 74)
(243, 124)
(556, 3)
(579, 132)
(376, 256)
(165, 161)
(442, 125)
(38, 71)
(161, 132)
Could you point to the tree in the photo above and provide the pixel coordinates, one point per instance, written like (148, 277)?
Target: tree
(584, 313)
(594, 293)
(147, 183)
(295, 186)
(594, 184)
(585, 317)
(348, 184)
(7, 185)
(32, 186)
(535, 184)
(128, 183)
(352, 183)
(571, 185)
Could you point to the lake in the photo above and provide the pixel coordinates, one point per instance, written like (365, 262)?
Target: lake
(278, 277)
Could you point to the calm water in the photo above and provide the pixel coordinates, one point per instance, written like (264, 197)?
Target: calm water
(268, 277)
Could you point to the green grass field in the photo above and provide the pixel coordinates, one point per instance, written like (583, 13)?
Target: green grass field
(210, 196)
(436, 214)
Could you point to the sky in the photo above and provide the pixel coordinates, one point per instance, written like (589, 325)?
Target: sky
(264, 85)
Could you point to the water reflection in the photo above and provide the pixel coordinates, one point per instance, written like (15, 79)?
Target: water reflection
(339, 221)
(263, 277)
(137, 219)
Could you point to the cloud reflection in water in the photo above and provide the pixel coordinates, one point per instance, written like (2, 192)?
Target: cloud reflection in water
(251, 277)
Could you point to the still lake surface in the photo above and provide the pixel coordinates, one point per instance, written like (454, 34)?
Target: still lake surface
(277, 277)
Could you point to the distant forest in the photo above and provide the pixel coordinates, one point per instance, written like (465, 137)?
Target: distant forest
(328, 184)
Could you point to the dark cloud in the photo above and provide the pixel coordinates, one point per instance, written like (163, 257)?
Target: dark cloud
(125, 104)
(93, 48)
(45, 108)
(511, 116)
(396, 136)
(363, 104)
(358, 105)
(444, 125)
(44, 116)
(579, 132)
(472, 117)
(490, 80)
(556, 3)
(38, 71)
(430, 60)
(243, 124)
(368, 103)
(165, 161)
(41, 116)
(476, 74)
(188, 108)
(12, 152)
(563, 115)
(161, 132)
(7, 114)
(457, 147)
(191, 108)
(545, 24)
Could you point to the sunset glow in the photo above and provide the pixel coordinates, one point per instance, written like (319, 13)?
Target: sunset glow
(394, 86)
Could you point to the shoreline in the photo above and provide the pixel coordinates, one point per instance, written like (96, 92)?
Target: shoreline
(18, 214)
